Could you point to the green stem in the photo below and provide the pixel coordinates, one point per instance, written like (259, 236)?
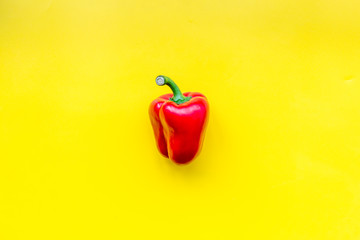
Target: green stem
(178, 97)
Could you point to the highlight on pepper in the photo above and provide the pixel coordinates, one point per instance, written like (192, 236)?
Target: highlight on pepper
(179, 122)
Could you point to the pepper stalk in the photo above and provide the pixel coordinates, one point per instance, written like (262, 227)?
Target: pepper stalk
(178, 97)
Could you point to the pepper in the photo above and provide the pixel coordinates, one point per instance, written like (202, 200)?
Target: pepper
(179, 122)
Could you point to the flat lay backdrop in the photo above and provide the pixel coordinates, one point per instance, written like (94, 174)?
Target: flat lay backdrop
(281, 157)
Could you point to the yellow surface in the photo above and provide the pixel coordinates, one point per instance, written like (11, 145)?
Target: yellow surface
(281, 157)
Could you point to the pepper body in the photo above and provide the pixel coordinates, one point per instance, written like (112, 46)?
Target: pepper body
(179, 128)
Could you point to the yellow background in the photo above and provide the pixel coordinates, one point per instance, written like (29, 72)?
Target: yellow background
(281, 157)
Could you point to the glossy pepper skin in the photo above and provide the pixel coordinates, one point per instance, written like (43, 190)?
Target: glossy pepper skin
(179, 122)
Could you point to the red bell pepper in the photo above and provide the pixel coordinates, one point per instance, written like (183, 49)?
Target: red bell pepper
(179, 122)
